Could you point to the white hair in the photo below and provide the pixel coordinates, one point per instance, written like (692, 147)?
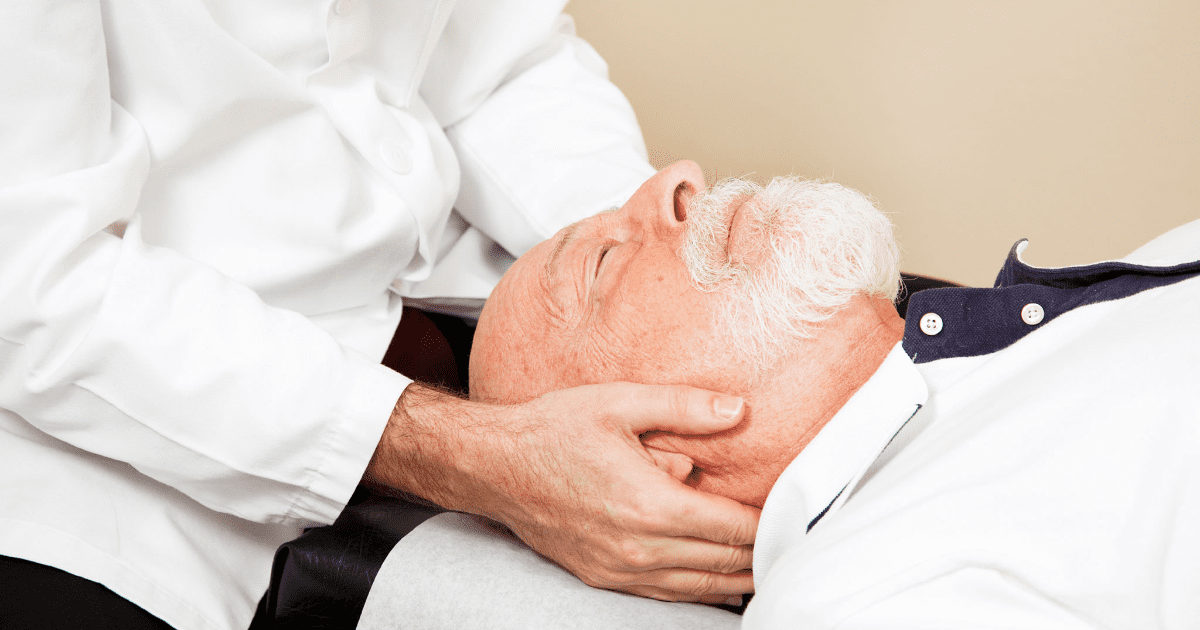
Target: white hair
(802, 250)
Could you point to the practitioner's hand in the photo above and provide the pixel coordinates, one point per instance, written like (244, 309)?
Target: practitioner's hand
(567, 473)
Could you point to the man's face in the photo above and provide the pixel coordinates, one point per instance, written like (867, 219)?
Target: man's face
(607, 299)
(610, 299)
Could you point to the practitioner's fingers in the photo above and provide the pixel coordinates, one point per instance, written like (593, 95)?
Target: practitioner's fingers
(696, 554)
(670, 562)
(675, 585)
(678, 465)
(691, 513)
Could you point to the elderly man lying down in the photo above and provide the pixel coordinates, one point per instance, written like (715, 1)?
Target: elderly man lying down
(1022, 456)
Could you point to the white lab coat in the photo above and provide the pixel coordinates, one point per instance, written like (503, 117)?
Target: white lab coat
(210, 212)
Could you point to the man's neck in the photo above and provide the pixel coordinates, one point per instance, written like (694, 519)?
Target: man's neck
(817, 380)
(786, 410)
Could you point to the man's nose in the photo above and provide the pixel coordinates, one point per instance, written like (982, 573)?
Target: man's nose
(674, 188)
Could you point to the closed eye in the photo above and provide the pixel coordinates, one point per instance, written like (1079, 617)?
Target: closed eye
(600, 261)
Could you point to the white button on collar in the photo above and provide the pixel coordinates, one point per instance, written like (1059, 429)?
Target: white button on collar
(931, 324)
(1033, 313)
(341, 7)
(395, 157)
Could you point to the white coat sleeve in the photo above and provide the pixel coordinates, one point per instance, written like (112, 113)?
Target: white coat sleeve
(137, 353)
(543, 137)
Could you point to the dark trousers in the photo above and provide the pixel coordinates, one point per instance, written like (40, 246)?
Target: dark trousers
(37, 597)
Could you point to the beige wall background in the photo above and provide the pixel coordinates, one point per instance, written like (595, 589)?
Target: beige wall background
(1074, 123)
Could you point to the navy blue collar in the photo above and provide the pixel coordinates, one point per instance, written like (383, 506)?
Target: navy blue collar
(981, 321)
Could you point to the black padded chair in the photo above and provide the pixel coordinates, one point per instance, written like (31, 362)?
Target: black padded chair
(321, 579)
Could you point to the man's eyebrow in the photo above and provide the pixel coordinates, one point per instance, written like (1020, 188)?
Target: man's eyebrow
(568, 234)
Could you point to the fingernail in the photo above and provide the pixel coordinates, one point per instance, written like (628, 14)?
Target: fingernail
(727, 406)
(734, 600)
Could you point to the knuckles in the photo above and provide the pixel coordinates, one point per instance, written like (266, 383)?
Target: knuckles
(633, 555)
(645, 515)
(607, 578)
(737, 559)
(742, 531)
(698, 584)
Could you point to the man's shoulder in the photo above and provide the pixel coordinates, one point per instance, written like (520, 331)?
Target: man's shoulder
(1178, 246)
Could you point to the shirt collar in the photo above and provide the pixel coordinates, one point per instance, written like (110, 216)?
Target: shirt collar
(962, 322)
(823, 475)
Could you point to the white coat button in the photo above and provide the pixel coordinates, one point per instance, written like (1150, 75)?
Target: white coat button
(1033, 314)
(342, 7)
(931, 324)
(395, 157)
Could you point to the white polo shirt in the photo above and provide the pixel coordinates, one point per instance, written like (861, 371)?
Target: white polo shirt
(1050, 477)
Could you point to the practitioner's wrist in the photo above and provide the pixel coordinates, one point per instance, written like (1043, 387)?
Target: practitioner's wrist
(430, 449)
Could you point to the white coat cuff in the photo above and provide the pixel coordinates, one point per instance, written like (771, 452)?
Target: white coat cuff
(350, 444)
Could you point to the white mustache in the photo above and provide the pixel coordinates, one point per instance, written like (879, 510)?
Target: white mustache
(705, 249)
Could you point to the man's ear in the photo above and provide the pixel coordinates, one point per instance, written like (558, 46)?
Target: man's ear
(677, 465)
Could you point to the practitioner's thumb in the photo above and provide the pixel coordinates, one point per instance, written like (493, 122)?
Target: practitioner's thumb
(682, 409)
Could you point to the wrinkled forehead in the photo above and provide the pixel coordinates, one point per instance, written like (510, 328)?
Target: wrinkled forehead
(517, 338)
